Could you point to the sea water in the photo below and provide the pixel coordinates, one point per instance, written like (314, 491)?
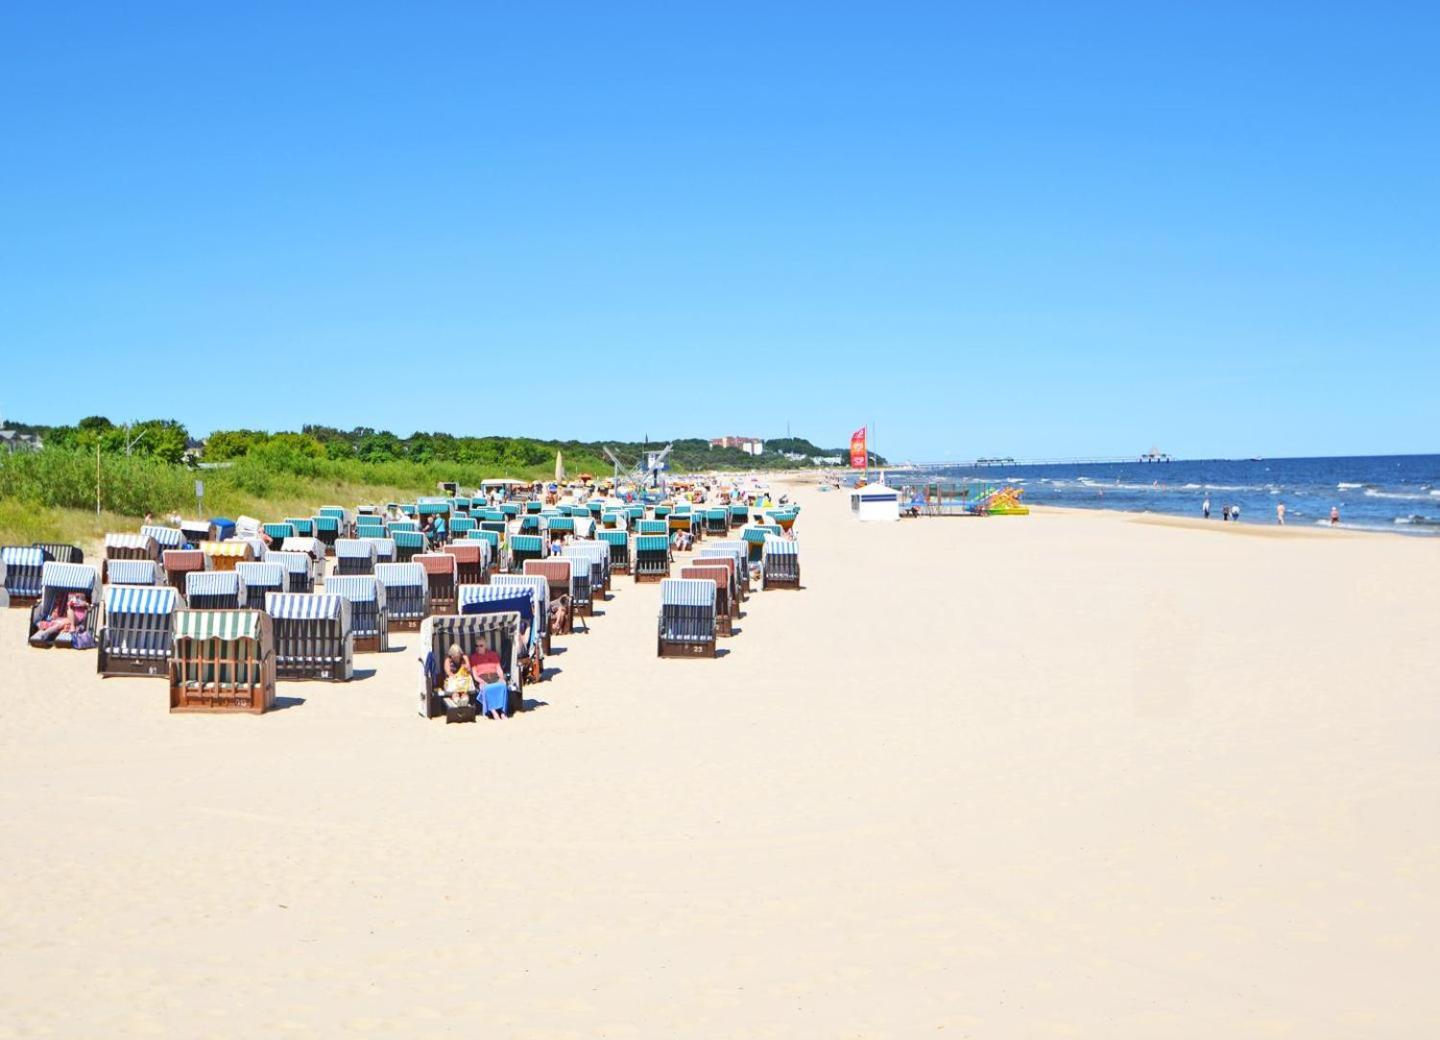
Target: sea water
(1384, 492)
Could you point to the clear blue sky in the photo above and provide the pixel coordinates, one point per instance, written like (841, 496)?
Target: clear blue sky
(1033, 229)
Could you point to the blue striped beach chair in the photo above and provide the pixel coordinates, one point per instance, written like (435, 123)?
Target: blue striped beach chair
(460, 526)
(717, 522)
(299, 569)
(278, 532)
(57, 581)
(539, 588)
(780, 564)
(651, 526)
(312, 636)
(369, 616)
(517, 599)
(134, 636)
(738, 551)
(407, 594)
(597, 558)
(354, 556)
(329, 530)
(214, 590)
(384, 548)
(498, 632)
(222, 661)
(197, 531)
(304, 526)
(739, 513)
(687, 618)
(721, 572)
(662, 510)
(165, 537)
(261, 578)
(132, 572)
(651, 558)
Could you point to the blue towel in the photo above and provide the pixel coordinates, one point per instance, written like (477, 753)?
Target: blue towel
(496, 697)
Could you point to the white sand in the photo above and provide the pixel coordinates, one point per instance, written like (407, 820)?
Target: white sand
(1066, 775)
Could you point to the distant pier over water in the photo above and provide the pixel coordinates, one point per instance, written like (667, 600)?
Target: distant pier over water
(1006, 460)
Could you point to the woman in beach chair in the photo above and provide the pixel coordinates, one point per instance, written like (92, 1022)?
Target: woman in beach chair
(68, 617)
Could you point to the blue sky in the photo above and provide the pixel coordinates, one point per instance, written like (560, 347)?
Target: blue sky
(1042, 229)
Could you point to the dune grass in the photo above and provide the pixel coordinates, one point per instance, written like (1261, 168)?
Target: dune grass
(49, 496)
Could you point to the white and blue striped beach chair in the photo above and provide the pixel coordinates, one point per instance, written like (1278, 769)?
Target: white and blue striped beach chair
(57, 581)
(780, 564)
(260, 580)
(407, 594)
(134, 637)
(133, 572)
(299, 569)
(312, 636)
(214, 590)
(498, 632)
(369, 617)
(687, 618)
(354, 556)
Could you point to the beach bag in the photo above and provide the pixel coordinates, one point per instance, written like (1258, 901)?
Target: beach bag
(82, 640)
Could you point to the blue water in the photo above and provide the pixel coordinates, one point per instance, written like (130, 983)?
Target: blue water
(1399, 493)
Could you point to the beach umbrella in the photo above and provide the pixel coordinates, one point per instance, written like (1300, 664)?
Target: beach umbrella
(559, 467)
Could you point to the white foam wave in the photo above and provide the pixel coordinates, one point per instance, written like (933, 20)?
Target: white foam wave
(1397, 496)
(1348, 487)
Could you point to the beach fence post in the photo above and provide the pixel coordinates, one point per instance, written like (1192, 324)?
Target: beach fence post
(199, 498)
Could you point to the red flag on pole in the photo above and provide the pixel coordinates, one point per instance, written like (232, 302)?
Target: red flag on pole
(858, 455)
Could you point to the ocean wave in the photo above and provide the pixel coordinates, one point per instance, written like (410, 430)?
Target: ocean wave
(1419, 521)
(1342, 486)
(1398, 496)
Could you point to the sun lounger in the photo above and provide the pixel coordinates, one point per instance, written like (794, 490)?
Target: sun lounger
(471, 632)
(407, 594)
(780, 564)
(312, 636)
(651, 560)
(261, 579)
(369, 616)
(222, 660)
(134, 636)
(687, 618)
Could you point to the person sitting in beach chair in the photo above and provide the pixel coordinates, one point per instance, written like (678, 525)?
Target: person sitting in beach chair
(459, 683)
(559, 620)
(68, 617)
(489, 677)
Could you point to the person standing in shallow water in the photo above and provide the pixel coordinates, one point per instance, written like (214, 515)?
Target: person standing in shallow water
(1334, 515)
(1280, 513)
(1205, 508)
(1224, 512)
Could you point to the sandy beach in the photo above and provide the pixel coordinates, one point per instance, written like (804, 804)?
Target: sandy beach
(1065, 775)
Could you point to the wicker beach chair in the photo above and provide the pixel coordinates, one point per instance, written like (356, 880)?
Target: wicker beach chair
(260, 579)
(780, 564)
(651, 559)
(299, 569)
(313, 639)
(559, 575)
(354, 556)
(723, 577)
(493, 631)
(134, 636)
(687, 618)
(441, 576)
(522, 600)
(165, 537)
(369, 616)
(214, 590)
(132, 572)
(472, 560)
(407, 594)
(618, 543)
(222, 661)
(178, 563)
(225, 556)
(539, 589)
(61, 552)
(57, 581)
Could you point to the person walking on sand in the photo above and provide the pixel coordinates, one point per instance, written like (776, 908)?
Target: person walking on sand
(1280, 513)
(1334, 515)
(1205, 508)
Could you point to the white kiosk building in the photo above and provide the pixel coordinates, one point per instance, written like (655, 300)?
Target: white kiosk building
(875, 502)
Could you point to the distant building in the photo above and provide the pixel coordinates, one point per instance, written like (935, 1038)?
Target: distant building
(749, 445)
(794, 456)
(826, 460)
(14, 441)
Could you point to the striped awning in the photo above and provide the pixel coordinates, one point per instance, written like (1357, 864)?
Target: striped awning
(279, 530)
(613, 537)
(562, 523)
(357, 588)
(408, 539)
(687, 592)
(493, 537)
(336, 512)
(177, 560)
(139, 599)
(738, 544)
(652, 526)
(470, 551)
(303, 524)
(216, 624)
(261, 575)
(239, 548)
(355, 548)
(304, 606)
(126, 540)
(396, 575)
(166, 537)
(292, 562)
(528, 543)
(212, 583)
(132, 572)
(22, 556)
(312, 547)
(433, 508)
(716, 514)
(651, 543)
(436, 563)
(69, 576)
(326, 523)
